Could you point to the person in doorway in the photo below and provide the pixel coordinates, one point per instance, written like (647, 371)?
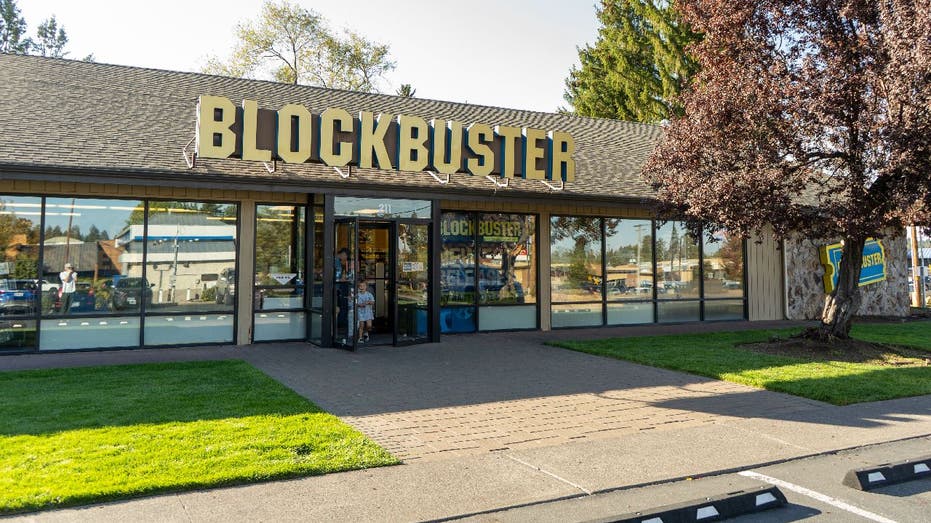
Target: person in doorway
(69, 279)
(365, 303)
(343, 273)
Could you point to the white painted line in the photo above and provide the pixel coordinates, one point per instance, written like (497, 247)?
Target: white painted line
(834, 502)
(548, 473)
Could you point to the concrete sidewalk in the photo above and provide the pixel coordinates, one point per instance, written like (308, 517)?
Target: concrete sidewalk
(491, 421)
(440, 489)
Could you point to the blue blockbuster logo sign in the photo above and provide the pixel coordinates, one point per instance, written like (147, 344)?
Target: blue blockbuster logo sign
(873, 269)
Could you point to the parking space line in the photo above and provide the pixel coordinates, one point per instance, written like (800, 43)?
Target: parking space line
(834, 502)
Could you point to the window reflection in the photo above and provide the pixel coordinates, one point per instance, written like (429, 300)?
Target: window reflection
(500, 270)
(723, 265)
(575, 259)
(190, 258)
(507, 268)
(677, 263)
(279, 257)
(87, 248)
(21, 290)
(629, 254)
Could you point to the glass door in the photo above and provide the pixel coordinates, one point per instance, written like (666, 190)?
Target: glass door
(412, 269)
(345, 276)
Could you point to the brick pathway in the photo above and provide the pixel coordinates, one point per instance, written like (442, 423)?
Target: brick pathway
(484, 393)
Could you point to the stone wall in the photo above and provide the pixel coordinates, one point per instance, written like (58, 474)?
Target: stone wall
(805, 288)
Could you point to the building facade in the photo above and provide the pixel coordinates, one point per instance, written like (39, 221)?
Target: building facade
(192, 218)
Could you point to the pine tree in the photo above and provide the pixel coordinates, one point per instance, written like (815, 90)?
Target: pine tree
(638, 64)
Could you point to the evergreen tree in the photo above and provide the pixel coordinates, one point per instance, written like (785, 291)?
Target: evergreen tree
(637, 66)
(93, 234)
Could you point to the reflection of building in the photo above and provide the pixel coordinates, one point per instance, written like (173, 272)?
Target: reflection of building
(185, 253)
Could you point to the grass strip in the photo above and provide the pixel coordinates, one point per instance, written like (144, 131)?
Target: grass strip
(86, 435)
(716, 355)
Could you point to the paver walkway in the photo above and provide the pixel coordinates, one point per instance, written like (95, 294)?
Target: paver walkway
(493, 392)
(489, 392)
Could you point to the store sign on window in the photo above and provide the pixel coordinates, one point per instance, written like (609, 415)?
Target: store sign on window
(335, 137)
(873, 269)
(460, 229)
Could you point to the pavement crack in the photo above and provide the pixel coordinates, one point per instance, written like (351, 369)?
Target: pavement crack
(184, 508)
(548, 473)
(765, 436)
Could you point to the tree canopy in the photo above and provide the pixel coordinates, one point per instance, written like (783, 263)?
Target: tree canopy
(813, 116)
(291, 44)
(13, 37)
(638, 64)
(51, 39)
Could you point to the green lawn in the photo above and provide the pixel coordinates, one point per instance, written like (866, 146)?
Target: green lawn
(715, 355)
(72, 436)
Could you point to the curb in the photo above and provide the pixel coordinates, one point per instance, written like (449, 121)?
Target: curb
(715, 508)
(869, 478)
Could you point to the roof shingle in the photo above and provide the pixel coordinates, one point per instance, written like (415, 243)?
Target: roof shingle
(65, 114)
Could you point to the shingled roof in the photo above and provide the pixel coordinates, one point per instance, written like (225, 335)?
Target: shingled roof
(131, 123)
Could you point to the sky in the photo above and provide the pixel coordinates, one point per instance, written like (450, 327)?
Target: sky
(506, 53)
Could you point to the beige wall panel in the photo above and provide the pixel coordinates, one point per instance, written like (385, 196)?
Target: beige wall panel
(764, 277)
(544, 293)
(245, 275)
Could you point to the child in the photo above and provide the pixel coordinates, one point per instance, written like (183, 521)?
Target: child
(365, 302)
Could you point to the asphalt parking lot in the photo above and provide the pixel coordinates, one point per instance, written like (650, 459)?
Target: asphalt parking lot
(813, 487)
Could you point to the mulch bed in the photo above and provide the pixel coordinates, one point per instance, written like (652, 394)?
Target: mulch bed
(852, 351)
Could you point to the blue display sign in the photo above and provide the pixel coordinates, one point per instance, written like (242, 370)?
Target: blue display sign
(873, 269)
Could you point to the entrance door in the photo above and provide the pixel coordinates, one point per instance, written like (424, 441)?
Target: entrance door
(412, 267)
(391, 261)
(345, 277)
(376, 271)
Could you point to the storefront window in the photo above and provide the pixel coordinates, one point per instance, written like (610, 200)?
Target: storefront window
(723, 264)
(576, 272)
(629, 256)
(98, 244)
(507, 268)
(457, 273)
(575, 259)
(507, 271)
(723, 269)
(629, 270)
(476, 282)
(21, 291)
(190, 257)
(279, 273)
(677, 263)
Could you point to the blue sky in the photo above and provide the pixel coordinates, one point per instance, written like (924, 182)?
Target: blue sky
(508, 53)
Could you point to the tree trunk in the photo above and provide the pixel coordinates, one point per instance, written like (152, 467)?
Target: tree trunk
(844, 301)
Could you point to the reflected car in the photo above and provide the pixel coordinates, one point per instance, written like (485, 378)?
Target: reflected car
(461, 279)
(18, 296)
(731, 284)
(127, 292)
